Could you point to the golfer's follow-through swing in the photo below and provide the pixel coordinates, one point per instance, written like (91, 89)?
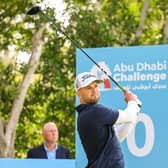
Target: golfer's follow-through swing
(100, 128)
(36, 9)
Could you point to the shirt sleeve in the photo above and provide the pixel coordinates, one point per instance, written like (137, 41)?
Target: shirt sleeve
(129, 115)
(126, 120)
(123, 130)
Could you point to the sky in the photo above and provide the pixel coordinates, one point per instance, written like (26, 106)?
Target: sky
(59, 6)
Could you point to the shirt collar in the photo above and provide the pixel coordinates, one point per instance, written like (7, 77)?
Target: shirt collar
(45, 147)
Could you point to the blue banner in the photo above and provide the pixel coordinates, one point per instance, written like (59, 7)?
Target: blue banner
(142, 69)
(35, 163)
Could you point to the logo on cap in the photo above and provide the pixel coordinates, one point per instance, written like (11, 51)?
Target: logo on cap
(87, 76)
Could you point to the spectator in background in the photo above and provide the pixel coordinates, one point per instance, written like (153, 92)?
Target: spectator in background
(50, 149)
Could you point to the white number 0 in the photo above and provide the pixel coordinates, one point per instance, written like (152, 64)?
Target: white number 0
(149, 138)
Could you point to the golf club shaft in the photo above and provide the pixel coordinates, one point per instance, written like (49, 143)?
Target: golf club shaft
(37, 9)
(83, 51)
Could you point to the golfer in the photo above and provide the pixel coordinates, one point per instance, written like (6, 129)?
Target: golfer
(101, 128)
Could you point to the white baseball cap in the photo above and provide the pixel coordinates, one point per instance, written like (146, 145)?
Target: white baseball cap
(84, 79)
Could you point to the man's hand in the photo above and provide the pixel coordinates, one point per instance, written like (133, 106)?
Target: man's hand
(129, 96)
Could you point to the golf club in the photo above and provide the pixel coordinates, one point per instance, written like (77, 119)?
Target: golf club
(36, 9)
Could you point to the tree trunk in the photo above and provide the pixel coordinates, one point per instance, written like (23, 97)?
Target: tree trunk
(8, 131)
(2, 137)
(142, 20)
(165, 40)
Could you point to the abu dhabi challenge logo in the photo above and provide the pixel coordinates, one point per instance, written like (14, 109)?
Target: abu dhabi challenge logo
(138, 76)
